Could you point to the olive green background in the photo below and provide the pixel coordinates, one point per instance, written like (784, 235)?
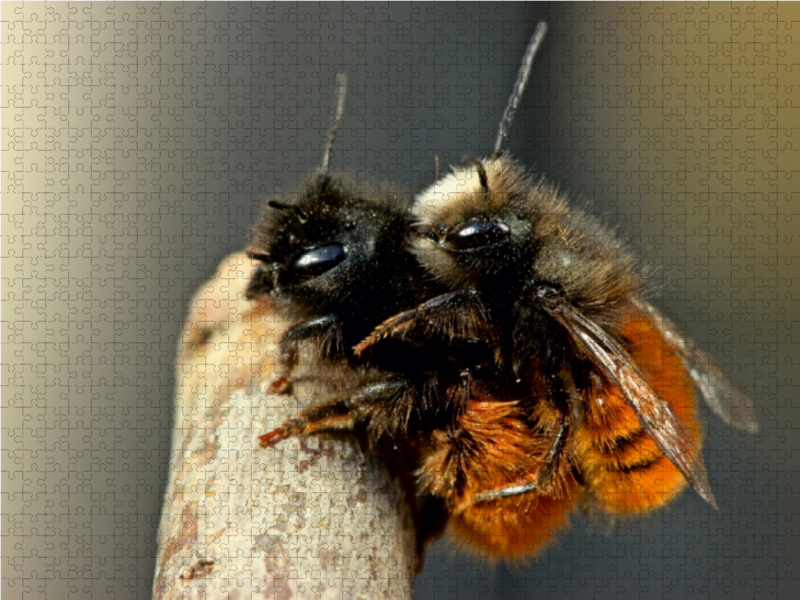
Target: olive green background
(139, 141)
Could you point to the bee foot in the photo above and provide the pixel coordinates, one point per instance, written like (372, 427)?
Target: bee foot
(281, 385)
(271, 439)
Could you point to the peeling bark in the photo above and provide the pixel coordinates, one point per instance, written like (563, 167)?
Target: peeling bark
(303, 520)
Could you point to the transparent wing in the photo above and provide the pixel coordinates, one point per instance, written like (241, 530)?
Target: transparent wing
(719, 389)
(666, 428)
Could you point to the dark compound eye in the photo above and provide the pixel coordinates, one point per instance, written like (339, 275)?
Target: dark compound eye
(475, 234)
(315, 262)
(547, 293)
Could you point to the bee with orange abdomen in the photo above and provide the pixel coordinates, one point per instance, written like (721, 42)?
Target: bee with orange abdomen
(502, 343)
(609, 408)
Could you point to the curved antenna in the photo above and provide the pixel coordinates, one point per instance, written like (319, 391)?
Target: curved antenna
(519, 86)
(336, 117)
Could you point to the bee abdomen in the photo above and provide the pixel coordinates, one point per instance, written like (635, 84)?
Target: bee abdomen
(626, 470)
(630, 452)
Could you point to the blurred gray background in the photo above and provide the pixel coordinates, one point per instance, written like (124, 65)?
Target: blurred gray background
(140, 140)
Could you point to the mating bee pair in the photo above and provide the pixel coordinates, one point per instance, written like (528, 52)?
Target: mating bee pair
(498, 338)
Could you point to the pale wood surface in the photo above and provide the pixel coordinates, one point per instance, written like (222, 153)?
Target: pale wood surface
(317, 520)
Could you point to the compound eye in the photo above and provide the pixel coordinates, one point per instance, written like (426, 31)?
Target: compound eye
(475, 234)
(317, 261)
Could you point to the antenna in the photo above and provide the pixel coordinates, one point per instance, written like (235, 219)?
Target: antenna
(519, 87)
(336, 117)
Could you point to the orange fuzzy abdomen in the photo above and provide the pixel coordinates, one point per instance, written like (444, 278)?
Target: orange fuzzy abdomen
(624, 468)
(516, 526)
(491, 448)
(494, 446)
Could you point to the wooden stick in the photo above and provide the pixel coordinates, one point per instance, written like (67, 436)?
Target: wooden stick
(313, 520)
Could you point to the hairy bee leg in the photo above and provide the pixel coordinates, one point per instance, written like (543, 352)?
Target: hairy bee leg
(325, 329)
(547, 472)
(543, 478)
(306, 424)
(458, 314)
(340, 415)
(280, 385)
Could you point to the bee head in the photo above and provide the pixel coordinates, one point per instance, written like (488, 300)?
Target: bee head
(490, 226)
(320, 249)
(471, 224)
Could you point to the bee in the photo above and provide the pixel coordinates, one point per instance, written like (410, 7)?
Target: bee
(336, 254)
(608, 379)
(335, 257)
(498, 338)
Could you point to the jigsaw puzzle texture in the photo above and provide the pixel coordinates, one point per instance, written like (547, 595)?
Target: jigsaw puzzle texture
(139, 144)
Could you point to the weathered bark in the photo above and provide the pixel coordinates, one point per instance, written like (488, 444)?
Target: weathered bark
(315, 520)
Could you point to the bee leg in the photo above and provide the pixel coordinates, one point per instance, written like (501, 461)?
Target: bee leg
(326, 330)
(458, 314)
(340, 415)
(543, 481)
(547, 472)
(319, 419)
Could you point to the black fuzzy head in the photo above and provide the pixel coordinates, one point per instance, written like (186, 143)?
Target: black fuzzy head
(336, 247)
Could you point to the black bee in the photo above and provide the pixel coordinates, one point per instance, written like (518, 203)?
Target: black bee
(337, 256)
